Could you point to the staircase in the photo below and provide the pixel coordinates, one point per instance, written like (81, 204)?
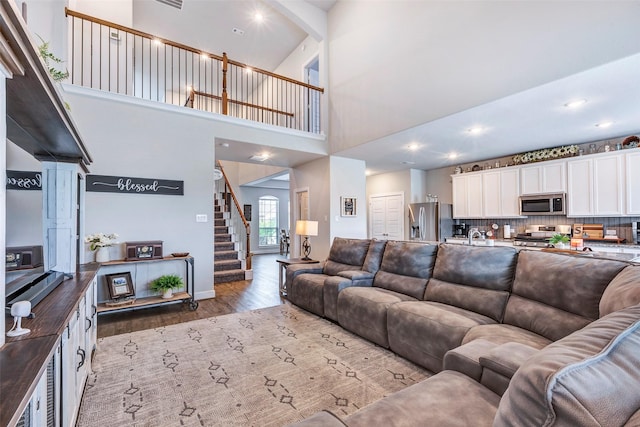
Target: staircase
(227, 265)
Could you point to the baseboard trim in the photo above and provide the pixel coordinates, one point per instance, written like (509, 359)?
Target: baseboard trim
(205, 294)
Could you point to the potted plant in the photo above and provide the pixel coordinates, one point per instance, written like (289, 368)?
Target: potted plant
(166, 284)
(559, 240)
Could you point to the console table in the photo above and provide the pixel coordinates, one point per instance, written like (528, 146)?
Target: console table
(283, 263)
(149, 301)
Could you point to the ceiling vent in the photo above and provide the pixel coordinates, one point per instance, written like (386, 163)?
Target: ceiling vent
(173, 3)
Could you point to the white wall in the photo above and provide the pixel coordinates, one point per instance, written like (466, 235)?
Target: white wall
(348, 180)
(137, 139)
(411, 62)
(315, 177)
(24, 208)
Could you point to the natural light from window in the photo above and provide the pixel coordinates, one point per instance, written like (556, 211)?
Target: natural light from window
(268, 221)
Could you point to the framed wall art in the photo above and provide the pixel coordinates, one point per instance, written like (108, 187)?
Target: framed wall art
(348, 206)
(119, 285)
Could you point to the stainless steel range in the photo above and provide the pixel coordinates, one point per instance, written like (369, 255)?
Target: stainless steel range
(537, 236)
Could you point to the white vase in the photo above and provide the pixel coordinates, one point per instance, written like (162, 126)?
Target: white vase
(168, 293)
(102, 254)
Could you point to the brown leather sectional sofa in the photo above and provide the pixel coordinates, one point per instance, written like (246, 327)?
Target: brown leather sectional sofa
(516, 338)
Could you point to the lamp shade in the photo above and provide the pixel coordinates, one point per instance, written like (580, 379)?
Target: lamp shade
(307, 228)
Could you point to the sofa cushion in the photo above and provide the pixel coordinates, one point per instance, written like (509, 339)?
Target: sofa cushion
(564, 292)
(466, 358)
(423, 331)
(501, 334)
(476, 266)
(473, 278)
(487, 302)
(306, 291)
(406, 267)
(364, 311)
(346, 254)
(588, 378)
(446, 399)
(622, 292)
(333, 285)
(374, 256)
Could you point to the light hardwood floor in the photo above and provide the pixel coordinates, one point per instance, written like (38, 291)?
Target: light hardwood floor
(231, 297)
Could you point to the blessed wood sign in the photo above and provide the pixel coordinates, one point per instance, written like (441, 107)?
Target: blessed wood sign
(123, 184)
(23, 180)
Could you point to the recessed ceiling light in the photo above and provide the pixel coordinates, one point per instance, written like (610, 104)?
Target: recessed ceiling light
(259, 157)
(575, 104)
(413, 147)
(258, 17)
(248, 70)
(408, 162)
(604, 124)
(453, 155)
(476, 130)
(157, 42)
(204, 56)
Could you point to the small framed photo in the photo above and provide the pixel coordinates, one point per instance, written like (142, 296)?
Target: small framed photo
(348, 206)
(119, 285)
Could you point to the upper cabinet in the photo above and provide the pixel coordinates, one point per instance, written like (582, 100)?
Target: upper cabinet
(500, 193)
(632, 181)
(547, 177)
(467, 195)
(595, 186)
(487, 194)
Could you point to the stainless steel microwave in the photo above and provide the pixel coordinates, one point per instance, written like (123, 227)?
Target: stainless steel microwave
(543, 204)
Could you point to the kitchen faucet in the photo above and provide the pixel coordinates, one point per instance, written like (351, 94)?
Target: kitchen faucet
(473, 233)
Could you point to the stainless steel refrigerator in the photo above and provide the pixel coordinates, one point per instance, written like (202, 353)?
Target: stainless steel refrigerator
(431, 221)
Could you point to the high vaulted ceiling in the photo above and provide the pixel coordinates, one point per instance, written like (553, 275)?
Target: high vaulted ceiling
(515, 65)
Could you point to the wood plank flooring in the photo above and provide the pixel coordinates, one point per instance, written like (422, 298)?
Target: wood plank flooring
(232, 297)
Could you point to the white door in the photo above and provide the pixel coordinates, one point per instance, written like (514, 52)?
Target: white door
(386, 216)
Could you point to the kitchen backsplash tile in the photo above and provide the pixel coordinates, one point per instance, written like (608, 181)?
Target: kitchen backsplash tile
(621, 225)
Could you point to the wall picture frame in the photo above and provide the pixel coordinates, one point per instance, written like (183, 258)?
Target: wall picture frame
(348, 206)
(119, 285)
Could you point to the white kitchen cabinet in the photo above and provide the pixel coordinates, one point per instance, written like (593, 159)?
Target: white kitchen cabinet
(547, 177)
(467, 195)
(632, 182)
(500, 193)
(595, 186)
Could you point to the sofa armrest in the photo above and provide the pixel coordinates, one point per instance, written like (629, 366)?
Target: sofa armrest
(500, 364)
(333, 285)
(359, 277)
(507, 358)
(294, 270)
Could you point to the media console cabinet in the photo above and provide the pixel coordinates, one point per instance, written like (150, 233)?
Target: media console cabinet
(43, 373)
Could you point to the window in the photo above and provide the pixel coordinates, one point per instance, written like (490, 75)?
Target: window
(268, 221)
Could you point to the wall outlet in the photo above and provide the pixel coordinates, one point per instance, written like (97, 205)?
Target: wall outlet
(201, 218)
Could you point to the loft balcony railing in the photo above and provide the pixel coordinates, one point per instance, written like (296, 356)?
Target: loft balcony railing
(118, 59)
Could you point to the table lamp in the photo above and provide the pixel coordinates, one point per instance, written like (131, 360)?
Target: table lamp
(306, 228)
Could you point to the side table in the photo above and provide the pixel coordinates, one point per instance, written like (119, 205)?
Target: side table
(283, 263)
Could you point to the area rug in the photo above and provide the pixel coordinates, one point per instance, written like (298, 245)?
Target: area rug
(267, 367)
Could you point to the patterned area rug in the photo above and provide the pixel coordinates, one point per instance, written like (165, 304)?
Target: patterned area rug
(267, 367)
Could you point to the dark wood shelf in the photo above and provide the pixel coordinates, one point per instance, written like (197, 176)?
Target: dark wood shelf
(143, 302)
